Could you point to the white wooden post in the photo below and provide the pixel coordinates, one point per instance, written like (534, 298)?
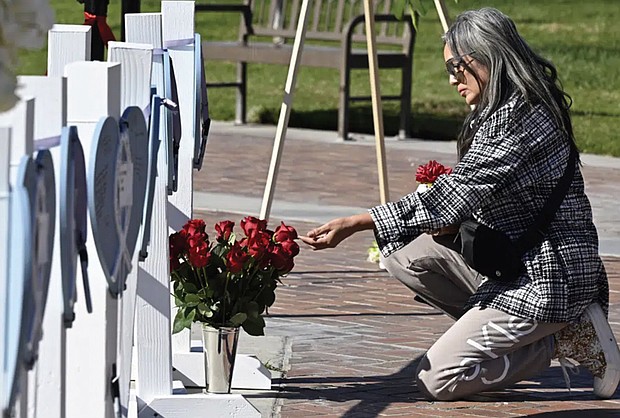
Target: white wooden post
(67, 44)
(136, 61)
(47, 389)
(92, 92)
(154, 369)
(5, 150)
(178, 32)
(21, 121)
(153, 322)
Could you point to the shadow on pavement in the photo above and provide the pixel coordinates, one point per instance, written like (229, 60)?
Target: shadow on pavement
(579, 413)
(375, 393)
(392, 314)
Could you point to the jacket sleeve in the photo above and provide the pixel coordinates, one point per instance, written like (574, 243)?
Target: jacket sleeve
(499, 149)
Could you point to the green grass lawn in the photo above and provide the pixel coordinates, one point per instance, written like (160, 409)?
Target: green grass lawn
(579, 37)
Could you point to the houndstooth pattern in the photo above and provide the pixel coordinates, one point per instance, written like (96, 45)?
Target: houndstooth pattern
(515, 160)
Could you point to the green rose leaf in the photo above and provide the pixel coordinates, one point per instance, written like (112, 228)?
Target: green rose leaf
(181, 321)
(192, 300)
(254, 326)
(252, 309)
(238, 319)
(267, 298)
(190, 287)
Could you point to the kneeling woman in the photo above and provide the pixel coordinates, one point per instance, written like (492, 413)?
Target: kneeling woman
(513, 150)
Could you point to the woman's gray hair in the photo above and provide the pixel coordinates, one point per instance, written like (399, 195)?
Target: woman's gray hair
(513, 68)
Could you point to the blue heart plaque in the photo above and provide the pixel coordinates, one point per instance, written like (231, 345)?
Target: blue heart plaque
(72, 220)
(41, 186)
(135, 156)
(172, 125)
(116, 189)
(20, 271)
(201, 105)
(154, 143)
(103, 198)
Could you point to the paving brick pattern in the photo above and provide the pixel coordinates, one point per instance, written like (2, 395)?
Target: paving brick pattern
(355, 333)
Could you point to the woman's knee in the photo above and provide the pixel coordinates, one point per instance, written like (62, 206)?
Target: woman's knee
(411, 255)
(432, 386)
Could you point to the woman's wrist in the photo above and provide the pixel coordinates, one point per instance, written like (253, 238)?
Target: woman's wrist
(360, 222)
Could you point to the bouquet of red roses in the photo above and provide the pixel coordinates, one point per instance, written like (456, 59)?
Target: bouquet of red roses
(229, 282)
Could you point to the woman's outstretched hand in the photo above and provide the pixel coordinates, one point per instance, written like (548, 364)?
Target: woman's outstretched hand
(335, 231)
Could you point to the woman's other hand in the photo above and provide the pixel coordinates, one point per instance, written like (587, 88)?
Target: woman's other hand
(446, 230)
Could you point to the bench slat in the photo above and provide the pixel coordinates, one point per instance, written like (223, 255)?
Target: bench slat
(334, 28)
(312, 56)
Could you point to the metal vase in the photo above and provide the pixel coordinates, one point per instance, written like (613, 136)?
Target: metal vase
(220, 349)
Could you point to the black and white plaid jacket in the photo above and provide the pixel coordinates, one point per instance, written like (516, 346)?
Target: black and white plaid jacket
(515, 160)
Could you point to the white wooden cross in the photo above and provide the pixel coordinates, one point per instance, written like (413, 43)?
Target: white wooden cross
(92, 93)
(47, 390)
(153, 316)
(20, 120)
(136, 62)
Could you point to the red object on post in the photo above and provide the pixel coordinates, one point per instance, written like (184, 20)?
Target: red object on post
(102, 25)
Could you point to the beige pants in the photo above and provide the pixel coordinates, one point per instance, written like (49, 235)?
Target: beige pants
(485, 349)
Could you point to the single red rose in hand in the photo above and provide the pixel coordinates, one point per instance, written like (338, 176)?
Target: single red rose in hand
(290, 247)
(430, 171)
(199, 255)
(281, 260)
(250, 223)
(284, 233)
(224, 229)
(236, 258)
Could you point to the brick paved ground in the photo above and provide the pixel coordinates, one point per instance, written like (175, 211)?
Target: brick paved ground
(355, 334)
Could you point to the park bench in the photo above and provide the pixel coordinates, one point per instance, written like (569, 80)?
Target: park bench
(335, 38)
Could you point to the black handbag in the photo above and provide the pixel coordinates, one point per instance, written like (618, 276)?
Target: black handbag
(490, 252)
(493, 254)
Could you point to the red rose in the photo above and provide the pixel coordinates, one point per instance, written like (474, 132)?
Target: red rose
(197, 240)
(236, 258)
(199, 255)
(430, 171)
(178, 244)
(284, 233)
(196, 227)
(250, 223)
(224, 229)
(258, 244)
(290, 247)
(281, 260)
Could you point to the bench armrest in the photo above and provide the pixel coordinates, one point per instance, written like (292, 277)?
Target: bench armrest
(239, 8)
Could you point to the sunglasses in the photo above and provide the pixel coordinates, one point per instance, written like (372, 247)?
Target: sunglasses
(455, 66)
